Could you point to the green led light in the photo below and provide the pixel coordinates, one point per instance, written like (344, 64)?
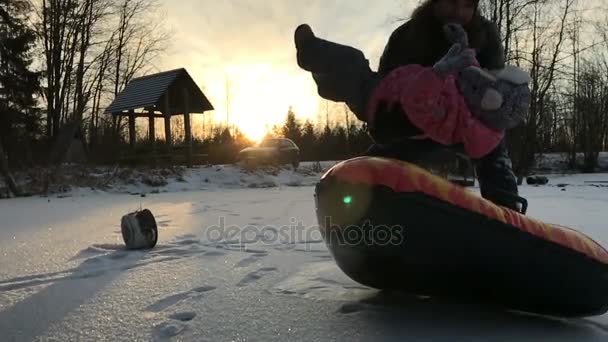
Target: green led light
(347, 200)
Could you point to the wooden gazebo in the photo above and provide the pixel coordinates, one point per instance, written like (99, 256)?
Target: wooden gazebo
(161, 95)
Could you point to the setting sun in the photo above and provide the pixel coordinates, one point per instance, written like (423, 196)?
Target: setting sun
(254, 97)
(253, 130)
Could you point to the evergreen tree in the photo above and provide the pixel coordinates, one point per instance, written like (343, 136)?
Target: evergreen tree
(308, 140)
(292, 129)
(19, 116)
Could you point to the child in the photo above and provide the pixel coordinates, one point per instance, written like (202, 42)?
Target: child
(342, 74)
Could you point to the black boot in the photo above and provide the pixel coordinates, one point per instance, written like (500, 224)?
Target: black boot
(497, 180)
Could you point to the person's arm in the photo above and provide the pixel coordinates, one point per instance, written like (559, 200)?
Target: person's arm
(394, 48)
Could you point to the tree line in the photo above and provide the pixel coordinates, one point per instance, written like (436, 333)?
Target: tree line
(333, 140)
(564, 46)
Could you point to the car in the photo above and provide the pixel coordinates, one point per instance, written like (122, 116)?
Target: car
(271, 150)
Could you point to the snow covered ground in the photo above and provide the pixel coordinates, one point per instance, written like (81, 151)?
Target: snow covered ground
(64, 275)
(72, 180)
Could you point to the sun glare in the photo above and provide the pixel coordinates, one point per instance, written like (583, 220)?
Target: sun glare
(259, 96)
(253, 130)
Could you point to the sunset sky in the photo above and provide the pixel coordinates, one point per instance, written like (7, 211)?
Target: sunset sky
(251, 43)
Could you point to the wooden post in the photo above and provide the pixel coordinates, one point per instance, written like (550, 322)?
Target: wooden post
(132, 127)
(187, 128)
(168, 113)
(151, 127)
(114, 127)
(152, 133)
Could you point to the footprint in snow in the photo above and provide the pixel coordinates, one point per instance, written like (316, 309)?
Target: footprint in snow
(167, 330)
(187, 242)
(214, 254)
(204, 289)
(181, 252)
(164, 223)
(285, 247)
(183, 316)
(166, 302)
(255, 276)
(197, 211)
(350, 308)
(250, 260)
(255, 251)
(226, 211)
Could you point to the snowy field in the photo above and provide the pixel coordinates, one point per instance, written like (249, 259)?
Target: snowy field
(64, 275)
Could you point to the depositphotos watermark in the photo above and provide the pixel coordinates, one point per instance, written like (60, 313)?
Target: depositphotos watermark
(297, 233)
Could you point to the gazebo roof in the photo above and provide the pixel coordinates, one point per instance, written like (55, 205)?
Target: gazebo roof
(151, 91)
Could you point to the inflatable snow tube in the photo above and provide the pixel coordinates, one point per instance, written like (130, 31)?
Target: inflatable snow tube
(392, 225)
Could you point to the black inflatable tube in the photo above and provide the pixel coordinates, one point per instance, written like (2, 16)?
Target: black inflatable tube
(447, 251)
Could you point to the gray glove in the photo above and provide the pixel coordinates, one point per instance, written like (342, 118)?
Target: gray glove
(454, 61)
(459, 56)
(456, 34)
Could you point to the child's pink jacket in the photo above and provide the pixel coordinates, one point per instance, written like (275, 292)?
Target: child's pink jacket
(435, 106)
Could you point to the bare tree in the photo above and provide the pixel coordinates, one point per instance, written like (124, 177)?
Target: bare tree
(546, 41)
(98, 86)
(508, 17)
(572, 119)
(591, 112)
(58, 30)
(92, 13)
(138, 40)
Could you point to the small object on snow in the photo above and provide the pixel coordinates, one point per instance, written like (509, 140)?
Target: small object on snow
(562, 185)
(143, 195)
(537, 180)
(563, 189)
(139, 230)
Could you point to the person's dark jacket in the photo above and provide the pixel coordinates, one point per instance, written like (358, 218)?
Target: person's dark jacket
(424, 44)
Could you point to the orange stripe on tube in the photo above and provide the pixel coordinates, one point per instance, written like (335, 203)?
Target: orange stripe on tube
(405, 177)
